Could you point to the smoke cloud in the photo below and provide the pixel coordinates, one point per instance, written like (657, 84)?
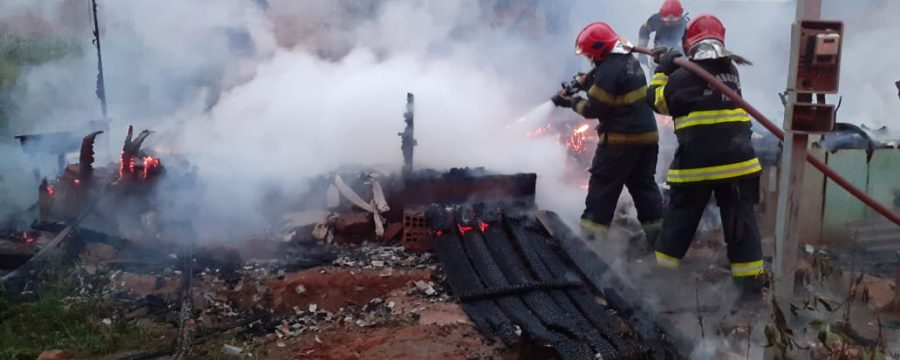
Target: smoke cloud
(260, 95)
(270, 93)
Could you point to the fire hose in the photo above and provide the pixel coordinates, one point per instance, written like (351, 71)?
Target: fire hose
(765, 122)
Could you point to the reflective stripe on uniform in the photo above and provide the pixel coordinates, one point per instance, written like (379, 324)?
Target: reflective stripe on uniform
(659, 79)
(659, 100)
(619, 138)
(666, 261)
(597, 93)
(711, 117)
(579, 106)
(752, 268)
(714, 172)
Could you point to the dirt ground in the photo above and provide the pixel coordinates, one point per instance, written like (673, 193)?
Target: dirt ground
(329, 312)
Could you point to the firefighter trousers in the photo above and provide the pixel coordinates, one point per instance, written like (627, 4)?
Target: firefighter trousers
(735, 199)
(623, 165)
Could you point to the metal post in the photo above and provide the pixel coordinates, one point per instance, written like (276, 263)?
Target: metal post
(790, 179)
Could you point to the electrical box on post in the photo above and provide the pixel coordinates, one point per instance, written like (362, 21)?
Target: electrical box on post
(819, 58)
(812, 118)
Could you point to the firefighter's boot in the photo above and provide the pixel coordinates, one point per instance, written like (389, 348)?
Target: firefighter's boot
(751, 288)
(593, 231)
(652, 230)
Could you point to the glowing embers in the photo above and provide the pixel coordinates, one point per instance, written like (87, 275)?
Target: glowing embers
(463, 229)
(541, 131)
(28, 237)
(126, 165)
(134, 164)
(577, 138)
(151, 165)
(139, 168)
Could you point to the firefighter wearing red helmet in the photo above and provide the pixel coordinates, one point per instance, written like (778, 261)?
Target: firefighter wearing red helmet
(668, 25)
(626, 156)
(714, 156)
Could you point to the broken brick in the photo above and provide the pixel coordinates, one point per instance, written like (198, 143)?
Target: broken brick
(353, 228)
(392, 231)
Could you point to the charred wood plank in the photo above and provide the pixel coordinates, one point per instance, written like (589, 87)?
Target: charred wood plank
(544, 245)
(519, 289)
(565, 339)
(620, 294)
(545, 261)
(490, 321)
(557, 315)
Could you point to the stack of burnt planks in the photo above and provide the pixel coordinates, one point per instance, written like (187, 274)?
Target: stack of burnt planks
(515, 285)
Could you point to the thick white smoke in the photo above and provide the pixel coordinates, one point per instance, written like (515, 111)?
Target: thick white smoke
(271, 95)
(259, 97)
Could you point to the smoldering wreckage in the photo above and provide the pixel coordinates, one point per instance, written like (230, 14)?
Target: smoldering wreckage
(417, 263)
(366, 264)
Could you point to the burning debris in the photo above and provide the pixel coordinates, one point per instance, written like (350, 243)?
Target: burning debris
(68, 195)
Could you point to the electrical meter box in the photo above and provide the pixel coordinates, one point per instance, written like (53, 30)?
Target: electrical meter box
(819, 56)
(812, 118)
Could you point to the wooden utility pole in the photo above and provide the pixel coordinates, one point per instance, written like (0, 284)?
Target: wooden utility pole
(793, 162)
(101, 84)
(100, 90)
(407, 139)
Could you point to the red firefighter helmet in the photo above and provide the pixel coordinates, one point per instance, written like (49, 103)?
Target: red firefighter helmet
(671, 11)
(596, 41)
(704, 26)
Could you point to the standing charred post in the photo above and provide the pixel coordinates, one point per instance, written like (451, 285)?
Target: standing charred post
(897, 84)
(101, 86)
(407, 141)
(100, 91)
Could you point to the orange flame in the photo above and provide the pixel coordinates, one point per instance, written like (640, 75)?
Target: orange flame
(149, 163)
(575, 141)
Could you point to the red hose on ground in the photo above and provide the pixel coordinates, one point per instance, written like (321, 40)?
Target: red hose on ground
(818, 164)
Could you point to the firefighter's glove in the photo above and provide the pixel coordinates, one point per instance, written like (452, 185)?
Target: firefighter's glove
(665, 59)
(564, 101)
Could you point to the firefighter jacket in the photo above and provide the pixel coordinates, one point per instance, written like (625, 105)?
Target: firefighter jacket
(713, 132)
(616, 97)
(668, 36)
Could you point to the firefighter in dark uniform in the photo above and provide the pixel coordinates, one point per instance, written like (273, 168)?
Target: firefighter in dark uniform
(668, 25)
(714, 156)
(626, 155)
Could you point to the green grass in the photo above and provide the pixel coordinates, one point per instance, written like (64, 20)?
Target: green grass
(56, 323)
(17, 53)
